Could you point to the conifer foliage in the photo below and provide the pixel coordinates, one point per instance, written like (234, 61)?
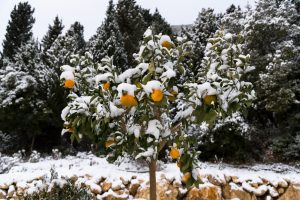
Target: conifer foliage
(18, 30)
(109, 41)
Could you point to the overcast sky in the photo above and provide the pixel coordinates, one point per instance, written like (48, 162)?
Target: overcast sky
(91, 13)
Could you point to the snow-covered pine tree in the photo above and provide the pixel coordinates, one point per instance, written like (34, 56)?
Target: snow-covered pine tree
(18, 30)
(64, 46)
(109, 41)
(272, 35)
(132, 26)
(53, 32)
(23, 89)
(72, 42)
(159, 24)
(234, 20)
(204, 27)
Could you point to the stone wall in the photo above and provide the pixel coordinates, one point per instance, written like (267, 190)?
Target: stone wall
(214, 188)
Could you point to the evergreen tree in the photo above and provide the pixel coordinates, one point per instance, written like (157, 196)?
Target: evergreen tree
(53, 32)
(159, 24)
(204, 27)
(64, 46)
(18, 31)
(234, 20)
(23, 92)
(273, 41)
(109, 41)
(132, 26)
(231, 9)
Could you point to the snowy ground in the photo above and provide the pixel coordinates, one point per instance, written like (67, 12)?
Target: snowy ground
(89, 165)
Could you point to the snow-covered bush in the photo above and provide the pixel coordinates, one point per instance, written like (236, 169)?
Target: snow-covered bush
(129, 112)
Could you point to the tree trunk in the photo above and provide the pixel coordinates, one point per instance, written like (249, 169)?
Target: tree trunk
(32, 144)
(152, 173)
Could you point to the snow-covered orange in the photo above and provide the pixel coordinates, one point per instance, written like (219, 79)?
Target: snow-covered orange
(208, 99)
(109, 143)
(106, 85)
(174, 153)
(165, 41)
(186, 177)
(128, 100)
(157, 95)
(69, 84)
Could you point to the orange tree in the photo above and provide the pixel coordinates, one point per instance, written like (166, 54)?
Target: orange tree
(145, 110)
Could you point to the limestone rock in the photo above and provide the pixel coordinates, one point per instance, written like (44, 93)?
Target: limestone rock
(4, 186)
(164, 192)
(292, 192)
(233, 191)
(280, 190)
(106, 186)
(124, 181)
(2, 194)
(11, 191)
(133, 188)
(205, 192)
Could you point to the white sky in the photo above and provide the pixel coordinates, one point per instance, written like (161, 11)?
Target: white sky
(91, 13)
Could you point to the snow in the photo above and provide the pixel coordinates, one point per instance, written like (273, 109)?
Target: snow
(131, 73)
(164, 38)
(115, 111)
(205, 89)
(126, 87)
(154, 128)
(67, 75)
(103, 77)
(151, 85)
(67, 68)
(90, 169)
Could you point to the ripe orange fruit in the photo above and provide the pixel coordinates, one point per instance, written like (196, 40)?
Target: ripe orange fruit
(208, 99)
(128, 100)
(166, 44)
(186, 177)
(174, 153)
(109, 143)
(157, 95)
(69, 84)
(106, 85)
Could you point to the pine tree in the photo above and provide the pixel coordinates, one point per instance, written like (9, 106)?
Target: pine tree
(109, 41)
(234, 20)
(204, 27)
(65, 46)
(159, 24)
(18, 31)
(53, 32)
(273, 41)
(23, 89)
(132, 26)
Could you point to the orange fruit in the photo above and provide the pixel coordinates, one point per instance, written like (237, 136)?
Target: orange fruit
(106, 85)
(208, 99)
(69, 84)
(166, 44)
(128, 100)
(109, 143)
(174, 153)
(157, 95)
(186, 177)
